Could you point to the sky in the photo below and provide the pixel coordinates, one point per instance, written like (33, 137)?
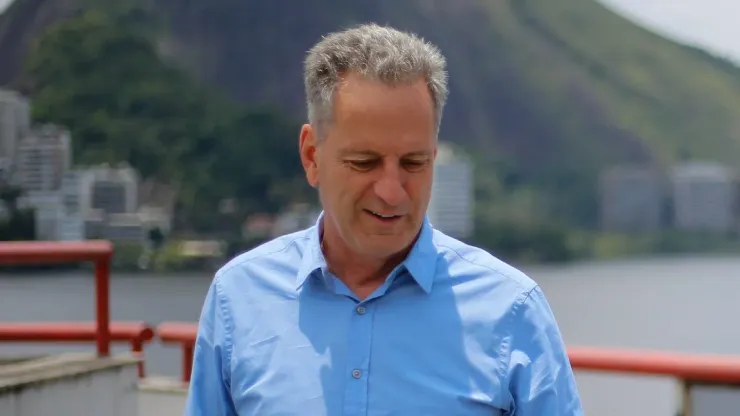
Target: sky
(709, 24)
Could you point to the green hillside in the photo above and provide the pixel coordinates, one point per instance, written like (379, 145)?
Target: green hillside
(673, 97)
(545, 93)
(525, 73)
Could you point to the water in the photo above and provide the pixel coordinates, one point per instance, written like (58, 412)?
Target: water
(680, 304)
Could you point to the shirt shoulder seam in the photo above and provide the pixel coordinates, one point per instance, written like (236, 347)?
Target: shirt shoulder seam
(269, 253)
(504, 349)
(228, 328)
(224, 307)
(521, 298)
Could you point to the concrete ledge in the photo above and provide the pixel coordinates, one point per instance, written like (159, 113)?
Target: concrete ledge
(165, 385)
(15, 360)
(162, 396)
(22, 374)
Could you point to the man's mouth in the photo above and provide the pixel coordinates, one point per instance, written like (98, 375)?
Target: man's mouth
(382, 216)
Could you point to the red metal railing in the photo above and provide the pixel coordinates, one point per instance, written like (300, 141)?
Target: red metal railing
(98, 252)
(102, 332)
(135, 333)
(697, 368)
(183, 334)
(688, 369)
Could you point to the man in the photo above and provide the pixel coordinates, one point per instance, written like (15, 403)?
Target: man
(372, 311)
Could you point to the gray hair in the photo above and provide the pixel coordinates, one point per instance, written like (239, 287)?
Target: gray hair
(375, 52)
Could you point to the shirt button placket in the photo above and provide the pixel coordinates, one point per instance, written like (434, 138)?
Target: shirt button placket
(358, 360)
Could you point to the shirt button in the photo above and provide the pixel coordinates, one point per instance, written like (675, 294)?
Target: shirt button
(356, 373)
(360, 310)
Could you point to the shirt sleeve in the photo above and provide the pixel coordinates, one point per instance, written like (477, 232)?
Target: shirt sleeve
(209, 391)
(541, 380)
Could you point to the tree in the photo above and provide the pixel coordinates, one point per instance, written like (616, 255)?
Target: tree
(19, 224)
(101, 77)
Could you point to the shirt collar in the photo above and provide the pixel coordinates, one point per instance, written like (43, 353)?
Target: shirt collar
(312, 259)
(421, 262)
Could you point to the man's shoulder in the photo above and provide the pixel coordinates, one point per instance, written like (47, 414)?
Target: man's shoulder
(467, 260)
(281, 253)
(494, 285)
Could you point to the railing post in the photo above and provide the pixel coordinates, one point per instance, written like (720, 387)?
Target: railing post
(137, 347)
(184, 335)
(685, 386)
(187, 361)
(102, 304)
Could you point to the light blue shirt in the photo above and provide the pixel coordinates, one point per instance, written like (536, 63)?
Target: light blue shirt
(453, 331)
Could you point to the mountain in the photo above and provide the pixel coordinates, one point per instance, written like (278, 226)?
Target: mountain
(555, 89)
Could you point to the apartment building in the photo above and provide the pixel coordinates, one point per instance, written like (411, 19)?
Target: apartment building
(43, 156)
(451, 207)
(15, 123)
(632, 199)
(704, 197)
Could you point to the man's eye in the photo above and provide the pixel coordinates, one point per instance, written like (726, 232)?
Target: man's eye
(362, 165)
(414, 165)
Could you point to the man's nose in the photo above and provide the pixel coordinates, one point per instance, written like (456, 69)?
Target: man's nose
(390, 189)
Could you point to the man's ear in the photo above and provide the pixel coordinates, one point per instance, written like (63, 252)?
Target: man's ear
(307, 143)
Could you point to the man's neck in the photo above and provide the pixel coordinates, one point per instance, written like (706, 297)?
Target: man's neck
(361, 274)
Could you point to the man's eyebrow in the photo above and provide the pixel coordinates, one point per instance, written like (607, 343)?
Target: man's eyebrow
(421, 153)
(358, 152)
(372, 154)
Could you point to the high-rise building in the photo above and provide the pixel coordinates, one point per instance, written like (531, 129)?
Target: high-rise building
(451, 207)
(704, 197)
(112, 190)
(15, 122)
(58, 212)
(110, 203)
(72, 224)
(632, 199)
(43, 157)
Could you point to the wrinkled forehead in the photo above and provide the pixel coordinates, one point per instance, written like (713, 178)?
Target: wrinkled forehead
(391, 138)
(373, 117)
(358, 94)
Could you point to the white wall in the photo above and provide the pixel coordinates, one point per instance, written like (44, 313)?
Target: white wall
(70, 385)
(162, 397)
